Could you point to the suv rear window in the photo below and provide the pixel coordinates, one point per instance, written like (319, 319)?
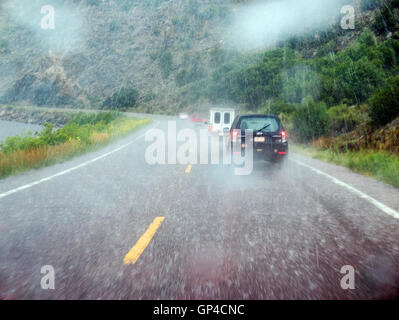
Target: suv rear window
(257, 123)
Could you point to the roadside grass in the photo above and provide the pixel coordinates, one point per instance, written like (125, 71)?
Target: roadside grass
(374, 163)
(84, 133)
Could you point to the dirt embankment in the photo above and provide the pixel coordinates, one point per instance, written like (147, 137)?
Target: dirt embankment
(364, 137)
(35, 116)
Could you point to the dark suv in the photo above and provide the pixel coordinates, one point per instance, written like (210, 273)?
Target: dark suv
(269, 137)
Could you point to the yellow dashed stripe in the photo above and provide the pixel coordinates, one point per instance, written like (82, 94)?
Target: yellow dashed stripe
(135, 253)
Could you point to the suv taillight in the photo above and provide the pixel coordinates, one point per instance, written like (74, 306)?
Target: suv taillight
(234, 134)
(284, 135)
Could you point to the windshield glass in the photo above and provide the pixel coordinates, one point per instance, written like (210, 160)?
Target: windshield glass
(257, 123)
(198, 149)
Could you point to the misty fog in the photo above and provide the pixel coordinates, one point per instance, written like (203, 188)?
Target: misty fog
(263, 24)
(69, 31)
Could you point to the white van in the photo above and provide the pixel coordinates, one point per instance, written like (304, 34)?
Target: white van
(220, 120)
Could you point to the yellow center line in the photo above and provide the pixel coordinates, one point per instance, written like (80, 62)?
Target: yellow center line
(134, 254)
(189, 167)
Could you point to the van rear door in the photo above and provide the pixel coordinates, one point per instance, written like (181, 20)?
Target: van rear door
(221, 119)
(228, 118)
(216, 120)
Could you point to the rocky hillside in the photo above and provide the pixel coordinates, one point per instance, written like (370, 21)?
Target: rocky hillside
(97, 47)
(39, 116)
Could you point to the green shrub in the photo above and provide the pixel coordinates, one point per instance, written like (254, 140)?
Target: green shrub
(166, 63)
(49, 137)
(344, 118)
(329, 47)
(15, 143)
(352, 74)
(182, 78)
(80, 127)
(113, 25)
(207, 14)
(384, 19)
(390, 53)
(49, 146)
(156, 31)
(126, 4)
(93, 2)
(287, 121)
(193, 7)
(187, 75)
(44, 138)
(4, 45)
(83, 118)
(310, 121)
(367, 38)
(122, 99)
(180, 22)
(224, 12)
(277, 107)
(355, 81)
(298, 83)
(384, 105)
(370, 4)
(200, 89)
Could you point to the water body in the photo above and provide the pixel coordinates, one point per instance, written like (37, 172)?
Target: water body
(11, 128)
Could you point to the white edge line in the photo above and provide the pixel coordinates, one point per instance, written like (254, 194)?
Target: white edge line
(379, 205)
(30, 185)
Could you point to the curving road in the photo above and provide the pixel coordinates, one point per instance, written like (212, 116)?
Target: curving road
(115, 227)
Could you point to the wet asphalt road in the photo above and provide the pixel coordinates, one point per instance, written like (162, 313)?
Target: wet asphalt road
(280, 233)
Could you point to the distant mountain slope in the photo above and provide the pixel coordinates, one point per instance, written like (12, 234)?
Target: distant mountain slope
(159, 47)
(98, 47)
